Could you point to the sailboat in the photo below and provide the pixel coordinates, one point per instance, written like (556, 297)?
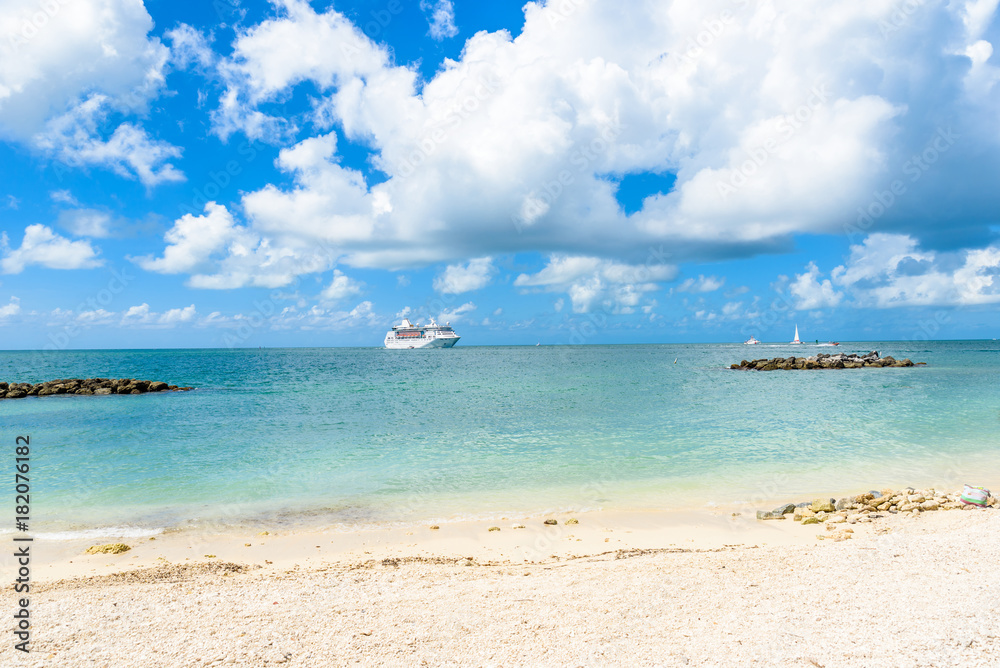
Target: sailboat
(796, 341)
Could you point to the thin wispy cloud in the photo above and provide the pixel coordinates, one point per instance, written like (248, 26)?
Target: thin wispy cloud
(441, 18)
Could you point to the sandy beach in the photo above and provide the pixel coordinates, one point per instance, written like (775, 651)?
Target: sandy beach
(670, 589)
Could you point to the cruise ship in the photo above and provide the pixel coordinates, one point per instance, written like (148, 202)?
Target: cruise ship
(409, 335)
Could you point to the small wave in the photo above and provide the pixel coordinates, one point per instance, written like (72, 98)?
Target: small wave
(103, 532)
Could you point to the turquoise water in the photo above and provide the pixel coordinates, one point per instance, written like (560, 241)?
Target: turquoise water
(359, 435)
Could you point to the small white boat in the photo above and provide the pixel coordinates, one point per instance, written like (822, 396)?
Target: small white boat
(796, 341)
(751, 341)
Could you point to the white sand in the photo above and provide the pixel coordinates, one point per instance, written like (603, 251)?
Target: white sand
(907, 590)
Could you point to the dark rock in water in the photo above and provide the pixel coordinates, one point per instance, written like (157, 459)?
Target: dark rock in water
(824, 361)
(85, 387)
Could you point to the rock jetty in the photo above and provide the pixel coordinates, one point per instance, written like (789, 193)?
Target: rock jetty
(85, 386)
(869, 507)
(823, 361)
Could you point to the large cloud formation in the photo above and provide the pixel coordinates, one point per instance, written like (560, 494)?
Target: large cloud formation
(69, 69)
(778, 119)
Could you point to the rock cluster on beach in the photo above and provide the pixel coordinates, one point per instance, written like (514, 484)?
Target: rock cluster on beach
(870, 506)
(822, 361)
(85, 386)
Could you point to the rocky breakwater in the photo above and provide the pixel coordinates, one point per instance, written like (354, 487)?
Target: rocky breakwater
(85, 386)
(823, 361)
(869, 507)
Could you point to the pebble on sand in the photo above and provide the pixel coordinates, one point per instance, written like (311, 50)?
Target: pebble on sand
(108, 548)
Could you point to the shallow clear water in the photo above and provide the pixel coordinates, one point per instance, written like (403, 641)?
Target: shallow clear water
(358, 435)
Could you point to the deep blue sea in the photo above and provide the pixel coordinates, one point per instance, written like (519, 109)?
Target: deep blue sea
(347, 436)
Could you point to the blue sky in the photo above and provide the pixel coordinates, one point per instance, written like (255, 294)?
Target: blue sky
(291, 173)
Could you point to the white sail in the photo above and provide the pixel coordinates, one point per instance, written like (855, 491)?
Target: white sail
(796, 335)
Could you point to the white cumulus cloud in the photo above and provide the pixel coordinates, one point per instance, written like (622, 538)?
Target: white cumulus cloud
(221, 254)
(41, 246)
(67, 68)
(142, 316)
(341, 287)
(888, 270)
(459, 278)
(10, 309)
(193, 240)
(591, 282)
(440, 17)
(811, 292)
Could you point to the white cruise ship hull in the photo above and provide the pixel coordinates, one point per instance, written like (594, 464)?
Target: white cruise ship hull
(438, 342)
(409, 336)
